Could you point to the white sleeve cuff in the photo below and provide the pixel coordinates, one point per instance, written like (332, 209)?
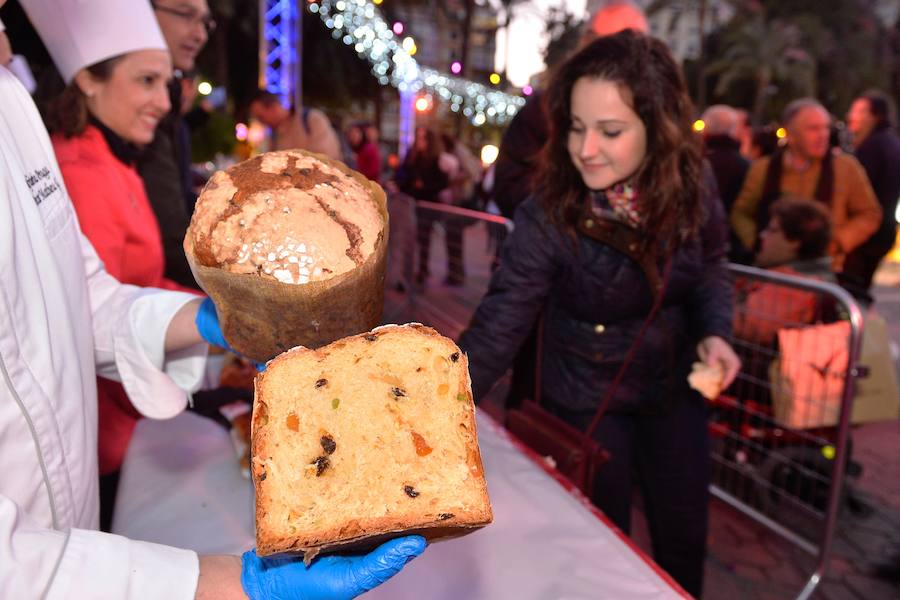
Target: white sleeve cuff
(157, 383)
(101, 565)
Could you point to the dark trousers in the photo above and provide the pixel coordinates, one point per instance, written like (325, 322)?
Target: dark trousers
(453, 238)
(670, 456)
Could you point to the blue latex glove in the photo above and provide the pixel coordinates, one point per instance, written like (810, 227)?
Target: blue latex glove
(207, 321)
(328, 577)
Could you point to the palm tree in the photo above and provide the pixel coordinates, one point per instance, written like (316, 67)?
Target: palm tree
(770, 54)
(702, 10)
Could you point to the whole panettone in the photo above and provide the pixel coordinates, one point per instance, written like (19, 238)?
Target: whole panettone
(291, 246)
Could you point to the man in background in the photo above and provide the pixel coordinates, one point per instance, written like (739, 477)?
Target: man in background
(723, 151)
(808, 168)
(165, 165)
(877, 147)
(16, 63)
(722, 148)
(302, 127)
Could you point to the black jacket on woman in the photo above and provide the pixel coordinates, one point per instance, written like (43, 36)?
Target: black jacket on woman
(595, 300)
(879, 155)
(421, 177)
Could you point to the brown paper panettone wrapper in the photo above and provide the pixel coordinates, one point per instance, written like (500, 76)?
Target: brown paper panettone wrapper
(262, 317)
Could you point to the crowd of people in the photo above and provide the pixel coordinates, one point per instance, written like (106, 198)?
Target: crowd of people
(104, 323)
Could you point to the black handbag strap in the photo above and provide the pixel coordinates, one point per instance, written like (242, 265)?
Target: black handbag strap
(629, 357)
(659, 293)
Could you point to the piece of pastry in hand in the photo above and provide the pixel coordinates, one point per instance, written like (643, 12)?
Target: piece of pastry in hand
(368, 438)
(707, 379)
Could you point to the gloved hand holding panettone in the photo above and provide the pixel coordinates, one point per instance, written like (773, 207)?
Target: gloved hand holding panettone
(328, 577)
(207, 321)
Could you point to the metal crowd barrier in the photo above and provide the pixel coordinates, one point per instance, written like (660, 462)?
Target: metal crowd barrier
(780, 432)
(440, 260)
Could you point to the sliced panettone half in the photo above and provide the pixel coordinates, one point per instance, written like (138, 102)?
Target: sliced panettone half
(364, 439)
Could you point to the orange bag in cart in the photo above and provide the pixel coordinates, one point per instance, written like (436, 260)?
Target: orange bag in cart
(809, 375)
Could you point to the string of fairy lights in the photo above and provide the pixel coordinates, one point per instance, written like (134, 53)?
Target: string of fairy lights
(359, 23)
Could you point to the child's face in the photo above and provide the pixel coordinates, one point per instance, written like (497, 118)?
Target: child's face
(774, 248)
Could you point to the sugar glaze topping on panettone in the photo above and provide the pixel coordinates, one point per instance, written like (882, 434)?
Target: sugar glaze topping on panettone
(285, 215)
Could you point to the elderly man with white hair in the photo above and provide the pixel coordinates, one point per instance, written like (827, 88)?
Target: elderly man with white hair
(807, 167)
(723, 151)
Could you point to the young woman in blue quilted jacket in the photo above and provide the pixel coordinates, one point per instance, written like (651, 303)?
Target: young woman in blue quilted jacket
(621, 150)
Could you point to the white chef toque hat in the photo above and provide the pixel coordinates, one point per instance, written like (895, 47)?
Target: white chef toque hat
(81, 33)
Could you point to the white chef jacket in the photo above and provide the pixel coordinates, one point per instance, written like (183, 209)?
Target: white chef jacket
(63, 320)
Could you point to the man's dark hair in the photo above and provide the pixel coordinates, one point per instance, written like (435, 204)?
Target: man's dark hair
(265, 97)
(804, 221)
(882, 108)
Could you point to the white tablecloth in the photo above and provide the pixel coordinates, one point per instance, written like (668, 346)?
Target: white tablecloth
(181, 485)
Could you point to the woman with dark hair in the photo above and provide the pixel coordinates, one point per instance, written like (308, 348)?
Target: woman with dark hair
(365, 151)
(420, 176)
(99, 122)
(621, 165)
(877, 146)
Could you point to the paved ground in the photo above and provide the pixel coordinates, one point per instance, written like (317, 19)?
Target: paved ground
(746, 561)
(887, 302)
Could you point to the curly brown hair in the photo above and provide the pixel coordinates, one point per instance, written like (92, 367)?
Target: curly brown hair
(670, 177)
(66, 112)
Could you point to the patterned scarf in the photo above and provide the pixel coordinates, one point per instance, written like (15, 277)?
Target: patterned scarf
(622, 198)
